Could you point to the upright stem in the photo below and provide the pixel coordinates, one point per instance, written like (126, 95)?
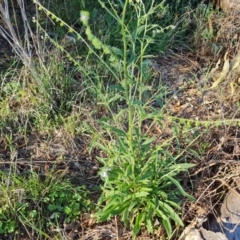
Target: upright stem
(125, 77)
(124, 39)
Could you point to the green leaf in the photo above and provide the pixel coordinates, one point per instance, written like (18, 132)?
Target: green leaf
(145, 189)
(116, 87)
(132, 59)
(123, 147)
(114, 98)
(174, 204)
(117, 51)
(149, 225)
(182, 166)
(115, 174)
(147, 62)
(138, 223)
(120, 208)
(128, 171)
(118, 131)
(162, 194)
(125, 216)
(133, 203)
(146, 176)
(180, 187)
(167, 226)
(165, 221)
(104, 119)
(101, 146)
(141, 194)
(106, 212)
(171, 213)
(150, 210)
(149, 140)
(195, 154)
(102, 160)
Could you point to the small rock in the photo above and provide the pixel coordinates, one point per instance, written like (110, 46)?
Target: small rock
(230, 209)
(190, 234)
(201, 234)
(209, 235)
(230, 217)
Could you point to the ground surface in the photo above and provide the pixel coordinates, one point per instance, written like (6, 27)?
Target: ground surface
(187, 74)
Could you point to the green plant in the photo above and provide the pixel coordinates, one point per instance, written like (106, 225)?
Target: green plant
(68, 201)
(140, 182)
(32, 202)
(140, 185)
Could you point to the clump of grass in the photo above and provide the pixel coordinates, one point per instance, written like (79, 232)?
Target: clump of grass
(39, 203)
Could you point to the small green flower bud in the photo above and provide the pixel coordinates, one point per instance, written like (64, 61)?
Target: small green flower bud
(84, 17)
(89, 34)
(106, 49)
(97, 43)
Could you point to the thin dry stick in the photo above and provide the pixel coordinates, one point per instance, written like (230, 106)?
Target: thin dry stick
(198, 198)
(116, 224)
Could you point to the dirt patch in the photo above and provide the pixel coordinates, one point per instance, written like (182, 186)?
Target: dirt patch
(44, 152)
